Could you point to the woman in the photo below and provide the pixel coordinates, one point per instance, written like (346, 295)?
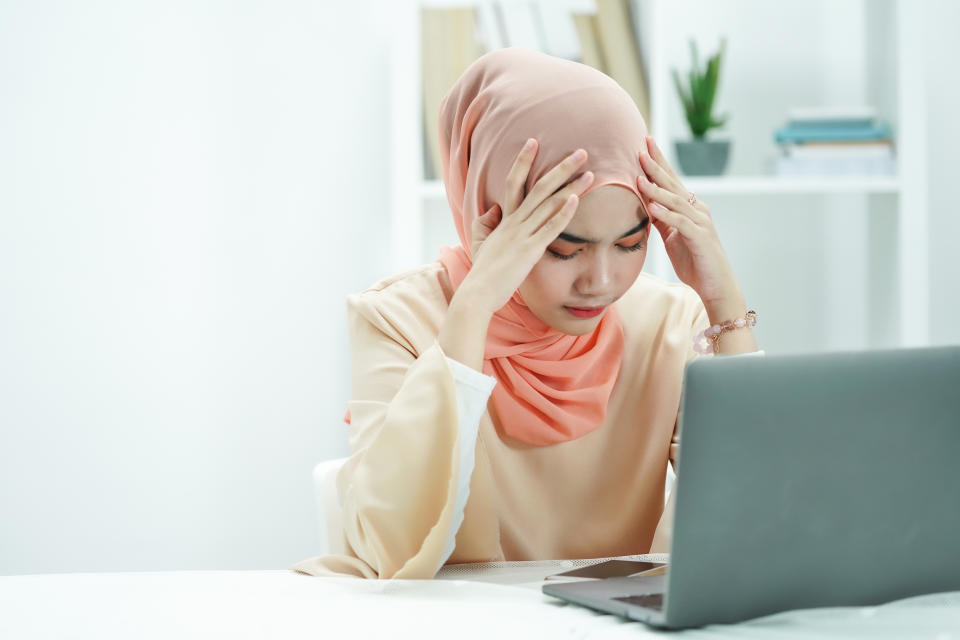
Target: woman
(518, 399)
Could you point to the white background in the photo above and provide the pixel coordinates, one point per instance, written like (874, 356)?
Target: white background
(188, 190)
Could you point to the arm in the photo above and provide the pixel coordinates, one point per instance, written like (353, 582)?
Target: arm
(413, 434)
(464, 331)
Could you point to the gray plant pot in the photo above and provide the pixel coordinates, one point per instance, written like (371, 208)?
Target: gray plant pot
(703, 157)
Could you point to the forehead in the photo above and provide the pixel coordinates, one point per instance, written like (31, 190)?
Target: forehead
(606, 212)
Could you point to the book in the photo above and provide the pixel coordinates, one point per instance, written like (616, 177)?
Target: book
(591, 53)
(787, 133)
(842, 149)
(831, 124)
(448, 46)
(832, 167)
(621, 53)
(821, 113)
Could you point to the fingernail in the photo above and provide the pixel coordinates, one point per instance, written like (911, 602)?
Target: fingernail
(580, 154)
(529, 144)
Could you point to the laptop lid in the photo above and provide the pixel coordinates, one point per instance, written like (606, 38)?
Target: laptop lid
(815, 480)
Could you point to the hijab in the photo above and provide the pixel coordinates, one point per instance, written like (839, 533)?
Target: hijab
(552, 387)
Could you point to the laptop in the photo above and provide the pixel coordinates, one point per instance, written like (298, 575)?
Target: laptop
(812, 480)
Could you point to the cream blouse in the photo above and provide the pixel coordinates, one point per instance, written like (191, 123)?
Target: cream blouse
(431, 478)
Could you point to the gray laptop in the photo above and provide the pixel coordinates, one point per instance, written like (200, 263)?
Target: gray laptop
(805, 481)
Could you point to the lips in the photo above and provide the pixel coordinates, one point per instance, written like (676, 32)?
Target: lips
(585, 312)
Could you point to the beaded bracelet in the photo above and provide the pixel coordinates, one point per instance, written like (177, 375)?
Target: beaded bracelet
(708, 340)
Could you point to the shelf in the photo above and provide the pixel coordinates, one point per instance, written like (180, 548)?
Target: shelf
(747, 185)
(754, 185)
(875, 50)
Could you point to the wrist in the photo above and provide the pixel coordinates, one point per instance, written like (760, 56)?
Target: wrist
(469, 300)
(475, 298)
(463, 334)
(726, 308)
(709, 340)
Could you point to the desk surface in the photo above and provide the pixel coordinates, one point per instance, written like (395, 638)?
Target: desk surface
(493, 601)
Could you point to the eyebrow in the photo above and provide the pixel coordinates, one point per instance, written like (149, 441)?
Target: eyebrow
(578, 240)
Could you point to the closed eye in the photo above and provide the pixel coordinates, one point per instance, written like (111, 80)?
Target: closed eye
(569, 256)
(632, 247)
(562, 256)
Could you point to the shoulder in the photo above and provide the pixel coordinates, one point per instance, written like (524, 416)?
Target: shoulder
(427, 283)
(653, 302)
(408, 306)
(659, 318)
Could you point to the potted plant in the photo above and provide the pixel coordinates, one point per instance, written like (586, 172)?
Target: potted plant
(701, 157)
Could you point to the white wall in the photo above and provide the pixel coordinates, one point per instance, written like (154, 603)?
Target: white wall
(188, 190)
(943, 141)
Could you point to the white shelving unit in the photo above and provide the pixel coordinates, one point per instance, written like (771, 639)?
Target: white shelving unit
(416, 229)
(744, 185)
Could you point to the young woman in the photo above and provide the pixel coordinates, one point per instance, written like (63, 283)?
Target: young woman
(518, 398)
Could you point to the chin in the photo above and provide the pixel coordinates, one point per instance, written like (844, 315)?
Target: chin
(581, 332)
(578, 327)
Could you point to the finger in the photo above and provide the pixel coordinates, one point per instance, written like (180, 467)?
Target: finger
(660, 159)
(670, 200)
(658, 156)
(662, 227)
(554, 202)
(517, 177)
(658, 174)
(680, 222)
(555, 178)
(553, 225)
(491, 218)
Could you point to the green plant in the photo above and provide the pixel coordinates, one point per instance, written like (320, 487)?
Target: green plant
(698, 102)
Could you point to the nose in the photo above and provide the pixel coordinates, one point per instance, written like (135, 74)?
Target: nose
(596, 278)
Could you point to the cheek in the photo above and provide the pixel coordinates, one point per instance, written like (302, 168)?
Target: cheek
(630, 269)
(636, 264)
(546, 283)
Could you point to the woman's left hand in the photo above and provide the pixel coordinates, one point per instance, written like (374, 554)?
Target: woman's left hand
(689, 236)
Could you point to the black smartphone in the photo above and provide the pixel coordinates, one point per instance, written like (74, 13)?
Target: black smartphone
(610, 569)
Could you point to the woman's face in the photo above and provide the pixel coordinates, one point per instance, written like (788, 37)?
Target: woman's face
(593, 262)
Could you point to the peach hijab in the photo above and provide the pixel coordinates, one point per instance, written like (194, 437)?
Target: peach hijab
(552, 387)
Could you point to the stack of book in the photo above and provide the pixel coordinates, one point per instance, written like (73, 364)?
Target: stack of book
(453, 37)
(835, 141)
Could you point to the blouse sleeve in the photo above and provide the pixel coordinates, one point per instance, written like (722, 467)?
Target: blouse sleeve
(701, 321)
(413, 431)
(473, 390)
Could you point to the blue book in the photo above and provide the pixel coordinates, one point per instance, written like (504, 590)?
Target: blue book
(788, 134)
(831, 124)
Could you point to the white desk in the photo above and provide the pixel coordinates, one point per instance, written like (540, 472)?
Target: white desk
(461, 604)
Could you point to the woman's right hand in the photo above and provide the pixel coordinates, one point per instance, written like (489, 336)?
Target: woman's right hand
(507, 244)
